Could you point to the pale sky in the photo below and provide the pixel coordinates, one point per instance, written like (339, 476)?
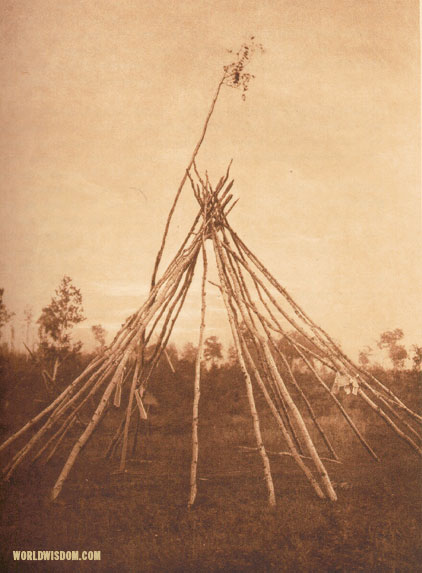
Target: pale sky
(103, 101)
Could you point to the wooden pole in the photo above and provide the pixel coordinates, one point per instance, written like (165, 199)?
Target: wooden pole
(129, 408)
(286, 396)
(290, 443)
(197, 387)
(64, 401)
(53, 404)
(117, 376)
(274, 410)
(254, 413)
(183, 181)
(389, 422)
(236, 267)
(251, 310)
(301, 354)
(89, 429)
(328, 341)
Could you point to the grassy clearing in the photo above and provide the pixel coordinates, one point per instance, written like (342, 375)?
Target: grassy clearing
(140, 520)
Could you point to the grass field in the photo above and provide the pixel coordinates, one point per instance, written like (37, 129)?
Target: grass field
(140, 522)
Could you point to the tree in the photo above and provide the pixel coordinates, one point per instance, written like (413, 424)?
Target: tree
(172, 353)
(28, 317)
(396, 352)
(364, 356)
(213, 350)
(12, 339)
(288, 350)
(55, 329)
(417, 357)
(189, 352)
(232, 359)
(5, 315)
(99, 333)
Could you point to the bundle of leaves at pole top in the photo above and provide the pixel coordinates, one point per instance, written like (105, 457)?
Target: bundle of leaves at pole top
(260, 313)
(235, 75)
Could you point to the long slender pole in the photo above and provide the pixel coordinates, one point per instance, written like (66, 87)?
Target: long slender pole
(183, 181)
(129, 409)
(89, 429)
(302, 355)
(256, 424)
(197, 387)
(251, 305)
(328, 341)
(286, 396)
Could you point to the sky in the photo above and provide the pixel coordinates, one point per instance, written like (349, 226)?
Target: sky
(103, 102)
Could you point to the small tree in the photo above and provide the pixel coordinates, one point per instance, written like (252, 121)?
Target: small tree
(213, 350)
(232, 359)
(172, 352)
(28, 317)
(396, 352)
(5, 315)
(189, 352)
(12, 338)
(417, 357)
(364, 356)
(55, 329)
(290, 353)
(99, 333)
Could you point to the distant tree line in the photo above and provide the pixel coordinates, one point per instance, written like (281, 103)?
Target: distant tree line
(55, 346)
(391, 341)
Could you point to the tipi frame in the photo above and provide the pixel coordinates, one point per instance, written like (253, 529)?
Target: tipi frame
(259, 310)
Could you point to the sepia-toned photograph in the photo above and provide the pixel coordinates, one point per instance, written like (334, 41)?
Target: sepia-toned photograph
(210, 286)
